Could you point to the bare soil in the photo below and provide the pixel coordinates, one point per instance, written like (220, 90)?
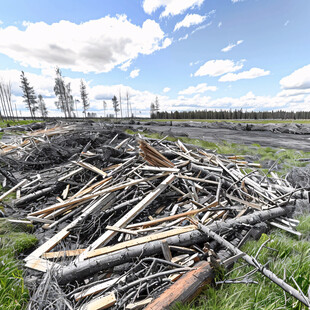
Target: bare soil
(273, 135)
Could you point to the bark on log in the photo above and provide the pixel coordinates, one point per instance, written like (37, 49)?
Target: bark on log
(253, 262)
(185, 289)
(34, 196)
(86, 268)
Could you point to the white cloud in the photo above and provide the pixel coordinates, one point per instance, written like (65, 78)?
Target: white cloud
(218, 67)
(286, 23)
(219, 25)
(183, 38)
(235, 1)
(124, 66)
(140, 100)
(166, 89)
(166, 42)
(231, 46)
(253, 73)
(194, 63)
(172, 7)
(201, 27)
(134, 73)
(42, 84)
(190, 20)
(94, 46)
(1, 22)
(26, 23)
(293, 92)
(299, 79)
(199, 89)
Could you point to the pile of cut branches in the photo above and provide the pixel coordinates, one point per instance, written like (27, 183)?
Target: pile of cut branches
(132, 223)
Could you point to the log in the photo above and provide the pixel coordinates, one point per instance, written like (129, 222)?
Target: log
(185, 289)
(34, 196)
(86, 268)
(253, 262)
(138, 241)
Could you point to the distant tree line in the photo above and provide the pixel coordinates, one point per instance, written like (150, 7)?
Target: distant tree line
(231, 114)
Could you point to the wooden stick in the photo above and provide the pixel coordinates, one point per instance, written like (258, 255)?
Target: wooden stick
(106, 237)
(173, 217)
(13, 189)
(99, 193)
(253, 262)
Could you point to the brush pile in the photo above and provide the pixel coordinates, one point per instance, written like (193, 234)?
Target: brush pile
(126, 222)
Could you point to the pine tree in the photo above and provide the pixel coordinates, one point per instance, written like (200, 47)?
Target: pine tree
(84, 97)
(152, 110)
(156, 105)
(63, 92)
(115, 105)
(42, 107)
(104, 108)
(29, 95)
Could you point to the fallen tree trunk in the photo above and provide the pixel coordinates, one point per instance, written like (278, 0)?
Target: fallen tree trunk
(87, 268)
(34, 196)
(253, 262)
(185, 289)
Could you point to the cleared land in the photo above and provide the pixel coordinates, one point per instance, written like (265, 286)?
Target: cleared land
(265, 135)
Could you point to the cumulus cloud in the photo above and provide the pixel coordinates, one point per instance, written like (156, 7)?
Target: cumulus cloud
(299, 79)
(94, 46)
(218, 67)
(253, 73)
(42, 84)
(231, 46)
(134, 73)
(172, 7)
(199, 89)
(190, 20)
(166, 89)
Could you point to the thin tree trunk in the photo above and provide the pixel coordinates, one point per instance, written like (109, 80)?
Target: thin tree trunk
(86, 268)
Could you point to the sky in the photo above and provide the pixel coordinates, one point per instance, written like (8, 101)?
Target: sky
(191, 54)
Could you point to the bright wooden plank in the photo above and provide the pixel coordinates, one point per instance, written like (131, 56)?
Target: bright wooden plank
(104, 302)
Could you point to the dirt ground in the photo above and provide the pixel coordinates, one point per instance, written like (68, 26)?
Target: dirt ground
(263, 138)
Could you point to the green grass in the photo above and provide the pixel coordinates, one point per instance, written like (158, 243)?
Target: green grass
(9, 196)
(292, 257)
(15, 123)
(253, 121)
(13, 241)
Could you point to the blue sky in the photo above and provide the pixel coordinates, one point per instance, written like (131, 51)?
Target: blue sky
(191, 54)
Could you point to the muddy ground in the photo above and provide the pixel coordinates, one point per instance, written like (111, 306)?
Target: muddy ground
(287, 136)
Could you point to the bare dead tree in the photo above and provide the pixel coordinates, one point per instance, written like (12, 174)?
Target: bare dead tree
(120, 101)
(6, 101)
(127, 98)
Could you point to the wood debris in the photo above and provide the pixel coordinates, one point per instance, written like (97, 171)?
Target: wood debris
(122, 222)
